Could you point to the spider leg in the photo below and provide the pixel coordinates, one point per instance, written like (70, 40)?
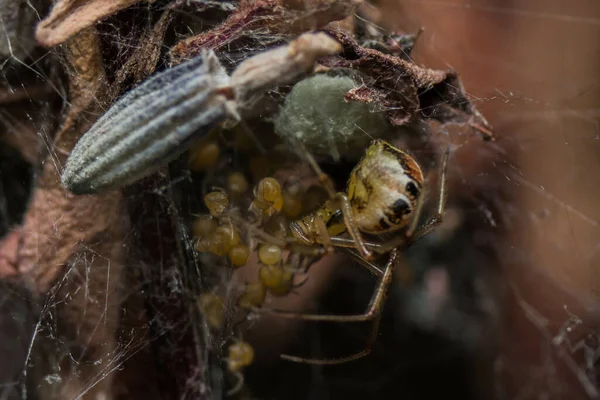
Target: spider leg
(372, 268)
(239, 383)
(348, 243)
(324, 234)
(324, 179)
(342, 360)
(372, 313)
(340, 198)
(438, 217)
(353, 230)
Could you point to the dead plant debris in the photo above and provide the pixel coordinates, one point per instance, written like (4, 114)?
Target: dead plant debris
(69, 17)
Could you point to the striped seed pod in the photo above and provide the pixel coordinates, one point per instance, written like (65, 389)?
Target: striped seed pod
(150, 126)
(157, 121)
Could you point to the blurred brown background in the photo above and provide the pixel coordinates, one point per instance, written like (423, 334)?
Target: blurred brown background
(534, 65)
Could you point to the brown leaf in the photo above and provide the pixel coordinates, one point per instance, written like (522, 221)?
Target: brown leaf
(67, 242)
(405, 90)
(272, 16)
(71, 16)
(87, 80)
(143, 61)
(58, 225)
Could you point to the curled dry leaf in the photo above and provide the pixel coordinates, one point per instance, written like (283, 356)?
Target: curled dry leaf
(59, 228)
(144, 59)
(404, 90)
(68, 17)
(58, 225)
(268, 16)
(76, 238)
(397, 86)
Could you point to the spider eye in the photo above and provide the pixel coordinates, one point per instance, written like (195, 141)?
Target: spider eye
(400, 208)
(412, 190)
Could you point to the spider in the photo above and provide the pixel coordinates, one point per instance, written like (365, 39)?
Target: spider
(385, 193)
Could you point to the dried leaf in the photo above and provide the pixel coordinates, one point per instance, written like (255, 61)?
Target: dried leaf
(403, 89)
(142, 62)
(268, 16)
(78, 242)
(71, 16)
(57, 225)
(76, 239)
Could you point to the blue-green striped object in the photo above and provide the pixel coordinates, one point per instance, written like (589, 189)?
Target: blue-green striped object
(150, 126)
(158, 120)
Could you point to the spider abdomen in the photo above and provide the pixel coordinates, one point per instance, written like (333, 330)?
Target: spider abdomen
(384, 189)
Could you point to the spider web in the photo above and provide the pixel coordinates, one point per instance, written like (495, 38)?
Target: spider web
(499, 302)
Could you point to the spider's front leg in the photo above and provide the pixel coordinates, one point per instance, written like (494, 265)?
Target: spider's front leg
(438, 217)
(352, 227)
(372, 313)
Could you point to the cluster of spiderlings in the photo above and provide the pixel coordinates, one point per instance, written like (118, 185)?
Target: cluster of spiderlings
(272, 208)
(274, 276)
(243, 208)
(220, 239)
(269, 207)
(268, 199)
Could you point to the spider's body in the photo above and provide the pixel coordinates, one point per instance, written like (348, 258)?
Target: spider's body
(384, 190)
(385, 193)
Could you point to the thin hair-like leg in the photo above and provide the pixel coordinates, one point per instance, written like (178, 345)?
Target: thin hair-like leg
(324, 179)
(438, 217)
(372, 312)
(239, 383)
(353, 230)
(340, 198)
